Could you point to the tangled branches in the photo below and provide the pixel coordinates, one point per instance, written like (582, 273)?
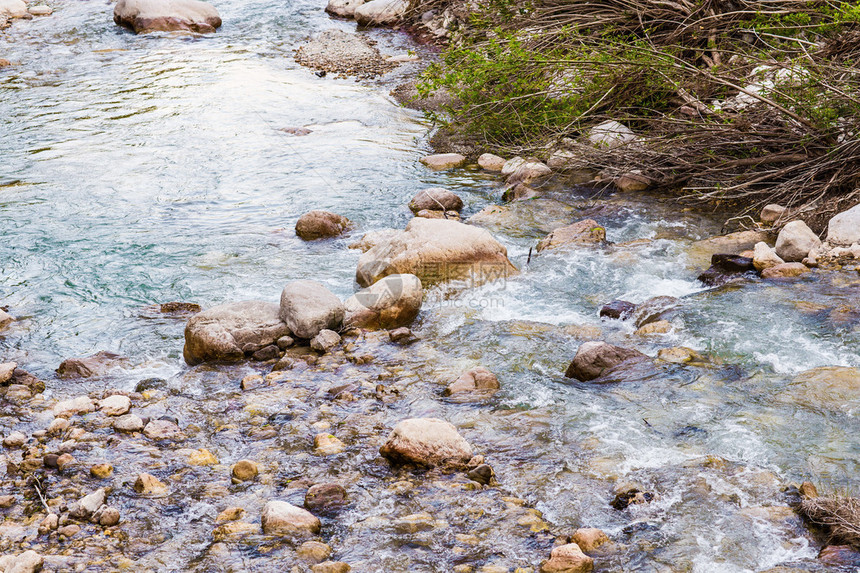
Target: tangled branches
(839, 516)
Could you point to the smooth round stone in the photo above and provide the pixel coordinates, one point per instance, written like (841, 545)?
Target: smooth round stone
(40, 10)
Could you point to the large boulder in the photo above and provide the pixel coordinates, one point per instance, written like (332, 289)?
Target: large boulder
(343, 8)
(765, 257)
(381, 12)
(436, 250)
(143, 16)
(426, 441)
(227, 331)
(435, 199)
(390, 302)
(794, 242)
(307, 307)
(13, 9)
(594, 358)
(581, 233)
(283, 518)
(320, 225)
(844, 228)
(491, 162)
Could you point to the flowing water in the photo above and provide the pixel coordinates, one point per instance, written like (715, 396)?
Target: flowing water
(137, 170)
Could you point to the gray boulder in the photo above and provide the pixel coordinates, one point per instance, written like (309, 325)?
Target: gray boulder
(143, 16)
(844, 228)
(795, 241)
(307, 307)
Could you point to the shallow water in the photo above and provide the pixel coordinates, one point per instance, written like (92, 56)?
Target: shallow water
(143, 169)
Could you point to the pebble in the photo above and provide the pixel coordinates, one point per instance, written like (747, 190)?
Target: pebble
(325, 496)
(7, 501)
(115, 405)
(283, 518)
(285, 342)
(148, 484)
(230, 514)
(162, 430)
(589, 538)
(7, 370)
(65, 460)
(40, 10)
(101, 471)
(15, 440)
(88, 504)
(69, 530)
(128, 423)
(106, 516)
(325, 341)
(50, 523)
(244, 470)
(327, 445)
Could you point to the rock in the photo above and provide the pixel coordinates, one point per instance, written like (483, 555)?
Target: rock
(830, 387)
(391, 302)
(325, 341)
(441, 160)
(659, 327)
(491, 162)
(178, 309)
(128, 423)
(202, 457)
(435, 199)
(343, 8)
(482, 474)
(244, 470)
(725, 268)
(342, 52)
(321, 225)
(808, 490)
(373, 238)
(221, 333)
(795, 241)
(731, 244)
(285, 342)
(331, 566)
(64, 461)
(270, 352)
(437, 250)
(593, 359)
(770, 214)
(589, 538)
(15, 440)
(568, 559)
(655, 309)
(7, 501)
(426, 441)
(764, 257)
(7, 370)
(142, 16)
(582, 233)
(27, 562)
(69, 530)
(106, 516)
(12, 9)
(785, 270)
(401, 336)
(381, 12)
(427, 214)
(97, 364)
(115, 405)
(617, 309)
(79, 405)
(511, 165)
(475, 379)
(610, 134)
(844, 228)
(230, 514)
(633, 181)
(50, 523)
(162, 430)
(40, 10)
(327, 445)
(325, 497)
(307, 307)
(148, 484)
(519, 192)
(88, 505)
(101, 471)
(529, 171)
(282, 518)
(840, 556)
(314, 551)
(627, 495)
(679, 355)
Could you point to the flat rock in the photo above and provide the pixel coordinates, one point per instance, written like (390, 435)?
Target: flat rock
(830, 387)
(143, 16)
(79, 405)
(844, 228)
(426, 441)
(283, 518)
(594, 358)
(26, 562)
(222, 333)
(389, 303)
(321, 225)
(582, 233)
(97, 364)
(442, 160)
(162, 430)
(784, 271)
(435, 199)
(307, 307)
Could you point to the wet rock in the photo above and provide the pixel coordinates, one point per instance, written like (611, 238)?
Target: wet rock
(15, 440)
(381, 12)
(128, 423)
(491, 162)
(331, 566)
(230, 514)
(64, 461)
(391, 302)
(829, 387)
(679, 355)
(593, 359)
(50, 523)
(162, 430)
(307, 307)
(582, 233)
(731, 244)
(589, 538)
(148, 484)
(426, 441)
(283, 518)
(106, 516)
(770, 214)
(115, 405)
(472, 380)
(7, 369)
(325, 497)
(270, 352)
(442, 160)
(202, 457)
(568, 559)
(327, 445)
(659, 327)
(13, 9)
(26, 562)
(617, 309)
(69, 530)
(285, 342)
(482, 474)
(234, 530)
(724, 268)
(519, 192)
(840, 555)
(437, 250)
(808, 490)
(655, 309)
(88, 505)
(321, 225)
(314, 551)
(795, 241)
(427, 214)
(435, 199)
(626, 496)
(244, 470)
(101, 471)
(50, 460)
(633, 181)
(764, 257)
(223, 332)
(529, 171)
(401, 335)
(343, 8)
(785, 270)
(844, 228)
(97, 364)
(325, 341)
(373, 238)
(79, 405)
(7, 501)
(142, 16)
(611, 134)
(178, 309)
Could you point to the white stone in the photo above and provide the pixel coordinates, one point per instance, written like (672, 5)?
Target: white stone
(764, 257)
(343, 8)
(844, 228)
(79, 405)
(283, 518)
(795, 241)
(381, 12)
(7, 370)
(115, 405)
(13, 8)
(611, 134)
(40, 10)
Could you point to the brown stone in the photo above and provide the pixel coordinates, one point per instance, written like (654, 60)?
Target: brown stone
(593, 359)
(785, 270)
(143, 16)
(321, 225)
(568, 559)
(325, 497)
(426, 441)
(244, 470)
(475, 379)
(581, 233)
(589, 538)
